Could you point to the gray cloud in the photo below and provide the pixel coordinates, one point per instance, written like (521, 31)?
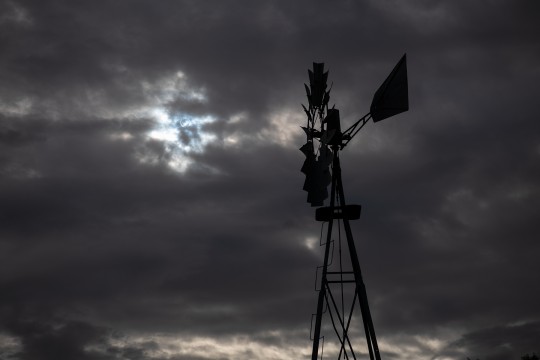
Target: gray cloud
(100, 236)
(501, 342)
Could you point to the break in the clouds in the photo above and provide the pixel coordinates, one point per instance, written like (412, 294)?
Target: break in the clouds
(150, 192)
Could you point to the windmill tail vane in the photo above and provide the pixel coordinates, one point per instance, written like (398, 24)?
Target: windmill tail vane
(324, 140)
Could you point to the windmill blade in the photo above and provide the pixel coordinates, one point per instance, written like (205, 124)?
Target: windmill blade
(392, 97)
(317, 82)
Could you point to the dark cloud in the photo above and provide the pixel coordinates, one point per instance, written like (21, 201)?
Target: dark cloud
(501, 342)
(118, 241)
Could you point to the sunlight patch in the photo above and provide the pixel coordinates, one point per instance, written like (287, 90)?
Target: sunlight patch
(18, 107)
(431, 343)
(181, 133)
(237, 118)
(283, 128)
(268, 345)
(9, 346)
(124, 135)
(311, 242)
(172, 347)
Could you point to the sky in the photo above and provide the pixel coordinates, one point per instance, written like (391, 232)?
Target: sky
(151, 202)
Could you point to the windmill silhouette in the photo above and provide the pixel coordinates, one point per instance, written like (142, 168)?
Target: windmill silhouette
(341, 285)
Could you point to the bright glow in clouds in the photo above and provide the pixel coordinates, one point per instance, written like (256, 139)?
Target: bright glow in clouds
(231, 347)
(244, 347)
(183, 130)
(284, 128)
(20, 107)
(9, 346)
(181, 133)
(311, 242)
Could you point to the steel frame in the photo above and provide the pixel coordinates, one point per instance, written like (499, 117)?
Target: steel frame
(326, 295)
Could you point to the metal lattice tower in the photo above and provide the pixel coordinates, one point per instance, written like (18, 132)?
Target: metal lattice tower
(340, 285)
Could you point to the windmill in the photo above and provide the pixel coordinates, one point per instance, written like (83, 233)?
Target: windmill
(341, 285)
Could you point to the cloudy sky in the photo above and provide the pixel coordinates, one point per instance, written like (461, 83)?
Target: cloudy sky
(151, 203)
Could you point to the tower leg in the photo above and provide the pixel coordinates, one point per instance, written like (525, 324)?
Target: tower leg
(325, 292)
(360, 286)
(322, 289)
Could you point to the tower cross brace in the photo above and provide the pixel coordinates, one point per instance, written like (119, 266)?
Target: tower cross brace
(325, 293)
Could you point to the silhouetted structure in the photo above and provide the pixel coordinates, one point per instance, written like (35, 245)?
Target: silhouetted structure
(322, 168)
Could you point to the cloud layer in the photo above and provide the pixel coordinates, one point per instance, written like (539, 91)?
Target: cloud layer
(151, 202)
